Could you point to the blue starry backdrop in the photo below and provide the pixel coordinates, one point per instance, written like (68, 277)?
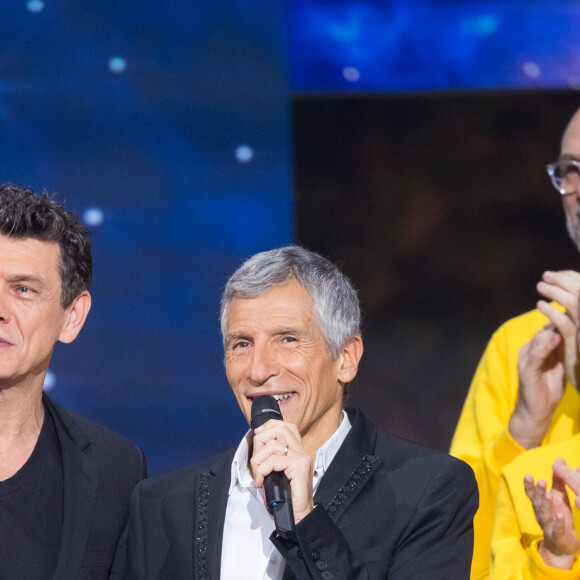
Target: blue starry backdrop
(168, 127)
(165, 125)
(426, 45)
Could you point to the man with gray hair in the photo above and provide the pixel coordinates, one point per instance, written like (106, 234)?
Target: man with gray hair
(365, 504)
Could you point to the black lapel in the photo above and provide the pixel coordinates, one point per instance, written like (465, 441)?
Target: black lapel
(80, 483)
(211, 497)
(351, 468)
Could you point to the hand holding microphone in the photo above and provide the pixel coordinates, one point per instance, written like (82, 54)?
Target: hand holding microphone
(280, 465)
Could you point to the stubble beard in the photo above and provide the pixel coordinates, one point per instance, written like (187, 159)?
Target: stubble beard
(573, 228)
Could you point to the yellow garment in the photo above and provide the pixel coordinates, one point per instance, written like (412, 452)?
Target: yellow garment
(482, 438)
(516, 534)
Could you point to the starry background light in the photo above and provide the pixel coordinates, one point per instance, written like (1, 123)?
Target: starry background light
(425, 45)
(167, 127)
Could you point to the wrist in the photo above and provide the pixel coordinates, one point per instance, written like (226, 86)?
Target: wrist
(558, 561)
(301, 514)
(526, 429)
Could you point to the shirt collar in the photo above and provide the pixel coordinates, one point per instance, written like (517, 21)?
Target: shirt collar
(326, 453)
(324, 456)
(240, 471)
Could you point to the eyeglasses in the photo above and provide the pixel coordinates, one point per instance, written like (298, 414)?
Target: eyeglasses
(565, 176)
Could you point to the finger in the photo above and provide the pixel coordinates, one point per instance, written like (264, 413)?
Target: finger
(529, 485)
(289, 465)
(544, 335)
(567, 282)
(556, 294)
(560, 461)
(275, 450)
(261, 470)
(563, 321)
(564, 278)
(537, 495)
(275, 429)
(563, 296)
(273, 447)
(559, 493)
(558, 526)
(545, 511)
(563, 288)
(267, 426)
(570, 477)
(272, 463)
(278, 431)
(541, 345)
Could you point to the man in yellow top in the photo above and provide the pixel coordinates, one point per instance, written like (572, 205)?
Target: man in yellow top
(513, 404)
(535, 536)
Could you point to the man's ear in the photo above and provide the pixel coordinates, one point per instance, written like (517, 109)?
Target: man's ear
(76, 314)
(349, 359)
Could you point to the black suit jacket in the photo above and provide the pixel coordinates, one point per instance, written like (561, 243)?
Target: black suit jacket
(385, 509)
(100, 470)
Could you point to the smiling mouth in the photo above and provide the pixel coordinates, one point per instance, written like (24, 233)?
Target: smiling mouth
(284, 397)
(279, 397)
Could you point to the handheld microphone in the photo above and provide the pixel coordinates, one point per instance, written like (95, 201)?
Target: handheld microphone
(276, 484)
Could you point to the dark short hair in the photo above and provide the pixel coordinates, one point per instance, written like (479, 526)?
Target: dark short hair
(23, 214)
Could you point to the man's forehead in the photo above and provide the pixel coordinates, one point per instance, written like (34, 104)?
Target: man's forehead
(29, 252)
(571, 137)
(286, 304)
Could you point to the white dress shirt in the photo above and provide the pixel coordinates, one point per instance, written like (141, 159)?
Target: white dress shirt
(247, 553)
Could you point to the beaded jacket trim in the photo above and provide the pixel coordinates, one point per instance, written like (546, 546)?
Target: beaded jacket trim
(200, 535)
(357, 477)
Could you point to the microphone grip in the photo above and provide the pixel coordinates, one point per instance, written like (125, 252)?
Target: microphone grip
(276, 485)
(279, 502)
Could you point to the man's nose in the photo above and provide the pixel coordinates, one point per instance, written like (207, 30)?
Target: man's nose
(263, 364)
(4, 308)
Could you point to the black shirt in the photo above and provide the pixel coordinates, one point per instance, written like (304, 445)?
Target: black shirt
(31, 504)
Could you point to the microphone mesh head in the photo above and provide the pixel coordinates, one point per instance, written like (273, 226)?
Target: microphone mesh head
(264, 408)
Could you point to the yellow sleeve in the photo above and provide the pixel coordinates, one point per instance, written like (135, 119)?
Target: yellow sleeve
(516, 533)
(508, 554)
(515, 556)
(482, 438)
(536, 569)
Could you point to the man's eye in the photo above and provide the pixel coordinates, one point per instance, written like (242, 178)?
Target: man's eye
(240, 344)
(288, 339)
(569, 169)
(24, 290)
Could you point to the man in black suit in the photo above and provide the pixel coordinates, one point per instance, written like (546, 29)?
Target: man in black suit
(65, 482)
(366, 505)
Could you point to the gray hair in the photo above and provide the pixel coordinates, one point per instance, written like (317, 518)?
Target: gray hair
(336, 305)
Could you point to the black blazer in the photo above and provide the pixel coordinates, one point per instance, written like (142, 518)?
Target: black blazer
(385, 509)
(100, 469)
